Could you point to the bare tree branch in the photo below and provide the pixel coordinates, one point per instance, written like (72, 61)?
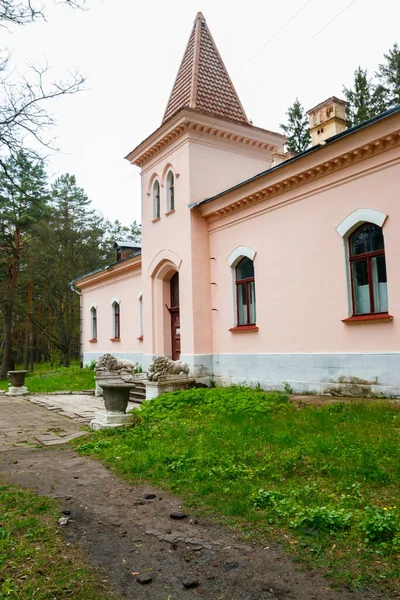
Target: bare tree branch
(17, 12)
(23, 108)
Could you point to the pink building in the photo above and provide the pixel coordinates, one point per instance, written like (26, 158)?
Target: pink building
(255, 266)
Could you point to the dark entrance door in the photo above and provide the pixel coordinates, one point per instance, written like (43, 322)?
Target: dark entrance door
(175, 319)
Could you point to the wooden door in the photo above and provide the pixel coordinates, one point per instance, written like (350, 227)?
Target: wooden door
(175, 318)
(175, 333)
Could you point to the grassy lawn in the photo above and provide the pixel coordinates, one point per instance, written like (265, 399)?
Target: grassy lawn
(324, 481)
(35, 562)
(47, 379)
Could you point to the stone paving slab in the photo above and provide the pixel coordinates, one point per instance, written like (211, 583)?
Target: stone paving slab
(47, 419)
(23, 423)
(81, 408)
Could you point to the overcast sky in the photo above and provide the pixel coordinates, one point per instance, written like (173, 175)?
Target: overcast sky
(130, 52)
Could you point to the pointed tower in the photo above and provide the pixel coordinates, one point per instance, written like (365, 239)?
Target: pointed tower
(205, 144)
(202, 82)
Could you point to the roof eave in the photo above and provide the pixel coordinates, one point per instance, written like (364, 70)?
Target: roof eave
(106, 268)
(331, 140)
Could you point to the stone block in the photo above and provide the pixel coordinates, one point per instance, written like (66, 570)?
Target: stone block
(104, 420)
(17, 391)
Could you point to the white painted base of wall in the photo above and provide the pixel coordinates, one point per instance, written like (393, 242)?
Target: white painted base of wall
(320, 373)
(134, 357)
(337, 373)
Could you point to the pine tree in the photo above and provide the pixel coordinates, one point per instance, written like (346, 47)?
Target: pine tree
(23, 202)
(68, 244)
(362, 100)
(297, 129)
(388, 76)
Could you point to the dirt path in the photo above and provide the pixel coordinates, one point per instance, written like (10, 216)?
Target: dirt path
(125, 534)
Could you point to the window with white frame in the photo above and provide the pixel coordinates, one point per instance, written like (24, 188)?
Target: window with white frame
(156, 200)
(116, 320)
(170, 191)
(93, 323)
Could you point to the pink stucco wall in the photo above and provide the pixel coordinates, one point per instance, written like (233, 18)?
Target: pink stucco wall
(126, 288)
(203, 165)
(301, 285)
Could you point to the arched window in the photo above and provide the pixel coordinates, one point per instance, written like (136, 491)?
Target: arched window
(93, 323)
(156, 200)
(170, 191)
(116, 320)
(245, 292)
(368, 270)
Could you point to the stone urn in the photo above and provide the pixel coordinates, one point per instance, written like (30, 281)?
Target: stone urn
(17, 381)
(116, 397)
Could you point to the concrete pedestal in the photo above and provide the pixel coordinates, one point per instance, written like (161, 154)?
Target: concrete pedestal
(17, 380)
(116, 396)
(17, 391)
(167, 383)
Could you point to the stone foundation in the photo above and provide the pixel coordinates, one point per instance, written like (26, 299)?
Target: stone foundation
(167, 383)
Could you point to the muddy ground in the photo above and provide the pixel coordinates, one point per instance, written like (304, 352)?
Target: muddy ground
(128, 536)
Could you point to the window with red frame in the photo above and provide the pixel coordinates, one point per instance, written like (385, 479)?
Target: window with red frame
(245, 293)
(368, 270)
(117, 321)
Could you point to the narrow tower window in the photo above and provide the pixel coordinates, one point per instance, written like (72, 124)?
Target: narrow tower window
(156, 200)
(170, 191)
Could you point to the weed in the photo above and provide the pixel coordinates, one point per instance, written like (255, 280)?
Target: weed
(379, 524)
(287, 388)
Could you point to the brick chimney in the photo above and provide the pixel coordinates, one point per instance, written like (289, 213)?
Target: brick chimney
(327, 119)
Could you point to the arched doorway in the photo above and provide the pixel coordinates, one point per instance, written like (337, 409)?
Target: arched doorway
(175, 317)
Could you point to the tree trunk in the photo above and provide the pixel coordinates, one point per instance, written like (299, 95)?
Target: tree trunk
(7, 348)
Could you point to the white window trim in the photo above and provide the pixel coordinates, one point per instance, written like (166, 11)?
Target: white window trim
(239, 253)
(358, 217)
(345, 229)
(233, 259)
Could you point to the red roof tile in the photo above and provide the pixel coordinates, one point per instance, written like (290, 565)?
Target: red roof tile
(203, 82)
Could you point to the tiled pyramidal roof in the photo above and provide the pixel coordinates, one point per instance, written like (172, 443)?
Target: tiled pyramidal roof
(203, 82)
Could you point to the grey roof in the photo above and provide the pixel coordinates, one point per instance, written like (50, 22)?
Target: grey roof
(117, 262)
(125, 244)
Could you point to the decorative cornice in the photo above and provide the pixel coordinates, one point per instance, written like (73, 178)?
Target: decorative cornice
(192, 126)
(327, 167)
(109, 273)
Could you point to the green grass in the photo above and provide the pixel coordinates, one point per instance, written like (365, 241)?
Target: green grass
(46, 379)
(35, 562)
(325, 481)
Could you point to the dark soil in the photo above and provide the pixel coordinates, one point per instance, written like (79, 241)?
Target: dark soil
(143, 553)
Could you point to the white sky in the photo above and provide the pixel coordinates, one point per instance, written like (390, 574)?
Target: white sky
(131, 51)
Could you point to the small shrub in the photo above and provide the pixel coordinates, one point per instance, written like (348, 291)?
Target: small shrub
(379, 525)
(264, 498)
(288, 389)
(323, 518)
(92, 365)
